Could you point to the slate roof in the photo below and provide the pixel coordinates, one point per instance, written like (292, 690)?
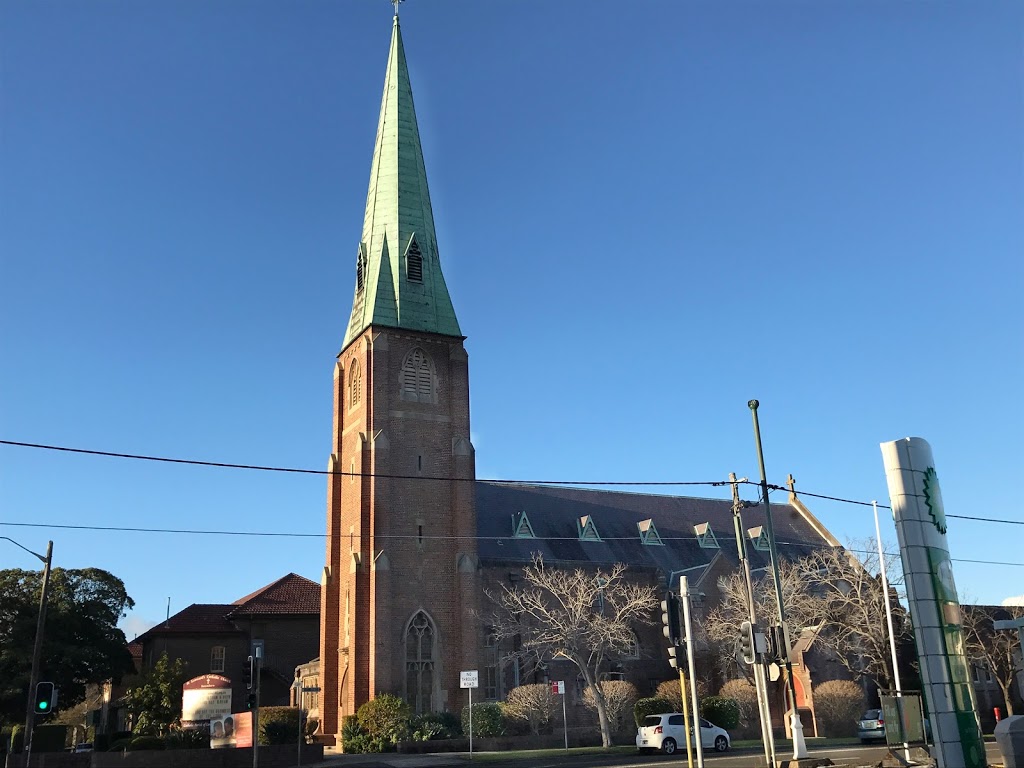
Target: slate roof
(291, 594)
(555, 513)
(204, 618)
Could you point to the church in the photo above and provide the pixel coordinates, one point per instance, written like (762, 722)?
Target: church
(413, 539)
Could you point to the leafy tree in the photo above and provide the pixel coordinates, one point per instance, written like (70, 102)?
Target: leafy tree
(535, 704)
(82, 643)
(584, 617)
(997, 650)
(154, 702)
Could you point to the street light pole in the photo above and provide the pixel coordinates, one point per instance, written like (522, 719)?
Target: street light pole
(799, 745)
(37, 649)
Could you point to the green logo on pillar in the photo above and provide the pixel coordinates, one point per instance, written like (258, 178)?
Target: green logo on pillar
(933, 498)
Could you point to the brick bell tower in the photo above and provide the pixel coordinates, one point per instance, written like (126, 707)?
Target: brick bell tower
(400, 583)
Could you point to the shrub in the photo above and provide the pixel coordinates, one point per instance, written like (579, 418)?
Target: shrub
(619, 698)
(837, 705)
(670, 689)
(435, 725)
(143, 743)
(120, 745)
(354, 740)
(534, 705)
(487, 720)
(187, 738)
(49, 738)
(744, 694)
(18, 738)
(723, 712)
(655, 705)
(385, 718)
(279, 725)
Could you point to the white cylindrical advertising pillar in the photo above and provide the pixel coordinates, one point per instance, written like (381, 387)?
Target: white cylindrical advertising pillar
(934, 606)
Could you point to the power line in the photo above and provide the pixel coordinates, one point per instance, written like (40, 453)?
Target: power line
(402, 536)
(304, 471)
(607, 483)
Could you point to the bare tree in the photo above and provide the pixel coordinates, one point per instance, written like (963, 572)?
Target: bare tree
(997, 650)
(852, 607)
(831, 590)
(535, 704)
(581, 616)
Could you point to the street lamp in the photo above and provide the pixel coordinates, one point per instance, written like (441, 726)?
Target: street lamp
(37, 649)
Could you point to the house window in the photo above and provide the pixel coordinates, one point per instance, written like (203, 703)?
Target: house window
(217, 658)
(417, 377)
(633, 649)
(490, 684)
(414, 262)
(355, 383)
(419, 663)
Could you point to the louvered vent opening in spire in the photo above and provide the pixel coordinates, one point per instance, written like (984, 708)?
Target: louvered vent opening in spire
(414, 262)
(360, 272)
(417, 377)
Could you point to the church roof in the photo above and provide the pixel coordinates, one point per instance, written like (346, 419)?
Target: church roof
(398, 275)
(622, 518)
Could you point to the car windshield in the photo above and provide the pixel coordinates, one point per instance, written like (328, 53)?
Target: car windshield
(652, 720)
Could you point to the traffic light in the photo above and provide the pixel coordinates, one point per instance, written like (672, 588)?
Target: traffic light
(250, 701)
(670, 618)
(46, 698)
(675, 656)
(747, 642)
(248, 673)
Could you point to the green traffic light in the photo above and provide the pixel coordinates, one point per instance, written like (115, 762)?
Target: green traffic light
(42, 704)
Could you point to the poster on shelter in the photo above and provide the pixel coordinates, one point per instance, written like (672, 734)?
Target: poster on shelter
(205, 698)
(234, 730)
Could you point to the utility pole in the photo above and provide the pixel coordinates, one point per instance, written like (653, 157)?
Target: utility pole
(37, 651)
(258, 662)
(799, 745)
(760, 683)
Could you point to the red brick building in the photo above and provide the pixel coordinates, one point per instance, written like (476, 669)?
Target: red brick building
(413, 538)
(282, 617)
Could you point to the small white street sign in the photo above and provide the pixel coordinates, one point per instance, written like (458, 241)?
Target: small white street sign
(469, 678)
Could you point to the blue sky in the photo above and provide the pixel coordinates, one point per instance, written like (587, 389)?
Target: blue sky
(648, 213)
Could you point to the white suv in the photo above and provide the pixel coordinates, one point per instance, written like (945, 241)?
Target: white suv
(667, 732)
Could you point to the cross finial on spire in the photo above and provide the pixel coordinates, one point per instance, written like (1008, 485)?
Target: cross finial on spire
(395, 3)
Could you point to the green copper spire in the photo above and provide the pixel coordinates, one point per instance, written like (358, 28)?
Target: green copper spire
(398, 274)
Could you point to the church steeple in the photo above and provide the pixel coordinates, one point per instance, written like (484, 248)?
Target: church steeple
(398, 274)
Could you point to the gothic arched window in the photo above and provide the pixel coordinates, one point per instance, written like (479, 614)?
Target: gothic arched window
(355, 385)
(420, 654)
(417, 377)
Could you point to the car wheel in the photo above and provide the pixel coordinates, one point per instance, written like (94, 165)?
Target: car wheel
(721, 744)
(668, 746)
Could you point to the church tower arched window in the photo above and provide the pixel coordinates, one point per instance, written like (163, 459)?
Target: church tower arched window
(417, 378)
(355, 385)
(420, 656)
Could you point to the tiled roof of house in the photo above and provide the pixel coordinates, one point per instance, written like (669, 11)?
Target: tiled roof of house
(203, 618)
(563, 521)
(291, 594)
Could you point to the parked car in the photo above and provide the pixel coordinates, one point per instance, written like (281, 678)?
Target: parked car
(667, 732)
(871, 726)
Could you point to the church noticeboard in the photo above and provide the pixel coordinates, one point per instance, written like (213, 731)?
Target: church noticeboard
(205, 698)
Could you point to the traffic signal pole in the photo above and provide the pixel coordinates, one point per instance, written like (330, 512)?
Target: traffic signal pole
(695, 737)
(37, 654)
(799, 745)
(760, 682)
(671, 630)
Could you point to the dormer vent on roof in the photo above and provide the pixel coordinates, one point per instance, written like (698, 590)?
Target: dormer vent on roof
(521, 528)
(649, 534)
(759, 536)
(586, 529)
(705, 536)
